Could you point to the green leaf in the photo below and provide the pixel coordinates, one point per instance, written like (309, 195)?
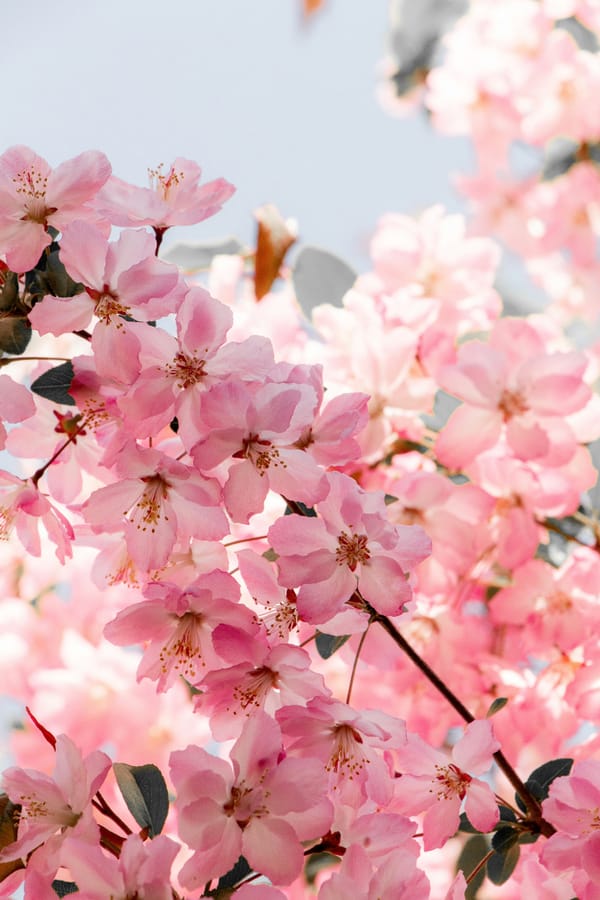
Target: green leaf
(389, 499)
(145, 793)
(235, 875)
(327, 644)
(470, 856)
(506, 814)
(541, 778)
(496, 706)
(505, 838)
(320, 277)
(55, 383)
(62, 888)
(465, 825)
(15, 334)
(500, 866)
(304, 510)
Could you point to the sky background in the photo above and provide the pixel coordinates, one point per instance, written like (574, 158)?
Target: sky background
(285, 110)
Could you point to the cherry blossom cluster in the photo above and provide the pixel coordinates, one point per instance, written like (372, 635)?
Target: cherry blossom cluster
(286, 625)
(519, 78)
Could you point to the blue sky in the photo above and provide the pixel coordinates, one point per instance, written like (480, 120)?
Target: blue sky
(286, 112)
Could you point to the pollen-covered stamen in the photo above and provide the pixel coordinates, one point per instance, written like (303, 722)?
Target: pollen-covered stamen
(245, 803)
(108, 305)
(182, 652)
(34, 808)
(31, 186)
(7, 516)
(161, 183)
(186, 370)
(512, 403)
(282, 618)
(452, 781)
(261, 453)
(348, 756)
(148, 510)
(352, 549)
(558, 602)
(255, 687)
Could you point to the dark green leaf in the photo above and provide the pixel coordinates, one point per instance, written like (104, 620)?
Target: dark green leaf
(200, 255)
(56, 280)
(145, 793)
(174, 424)
(55, 383)
(541, 778)
(62, 888)
(466, 826)
(505, 838)
(496, 706)
(235, 875)
(9, 291)
(15, 334)
(316, 862)
(320, 277)
(389, 499)
(500, 866)
(470, 856)
(506, 814)
(327, 644)
(304, 510)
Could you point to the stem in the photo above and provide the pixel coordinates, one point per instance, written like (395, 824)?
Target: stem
(533, 806)
(260, 537)
(355, 663)
(5, 362)
(72, 437)
(469, 878)
(103, 807)
(568, 537)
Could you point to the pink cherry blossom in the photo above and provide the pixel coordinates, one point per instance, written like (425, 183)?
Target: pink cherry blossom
(156, 504)
(257, 428)
(262, 809)
(174, 197)
(121, 278)
(33, 196)
(430, 783)
(573, 808)
(512, 386)
(350, 545)
(347, 743)
(142, 869)
(269, 679)
(175, 372)
(23, 507)
(58, 803)
(178, 625)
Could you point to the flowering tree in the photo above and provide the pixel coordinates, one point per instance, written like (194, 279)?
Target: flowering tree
(291, 626)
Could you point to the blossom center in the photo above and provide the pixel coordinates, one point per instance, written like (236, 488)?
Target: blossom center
(244, 803)
(261, 453)
(452, 781)
(108, 305)
(347, 757)
(7, 516)
(161, 183)
(148, 510)
(31, 186)
(512, 403)
(255, 687)
(182, 651)
(187, 370)
(352, 549)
